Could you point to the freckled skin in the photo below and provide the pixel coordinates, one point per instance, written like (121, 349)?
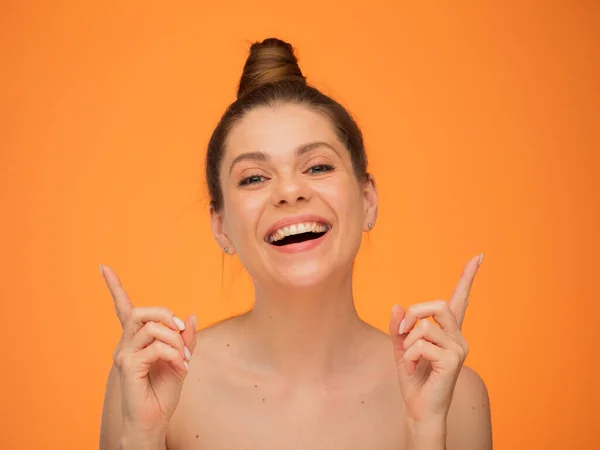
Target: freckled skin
(229, 405)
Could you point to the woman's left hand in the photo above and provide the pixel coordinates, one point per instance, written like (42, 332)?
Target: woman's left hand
(429, 358)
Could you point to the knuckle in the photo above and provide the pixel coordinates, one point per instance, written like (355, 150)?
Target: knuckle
(151, 327)
(156, 347)
(441, 304)
(459, 354)
(136, 312)
(165, 311)
(117, 358)
(135, 315)
(160, 347)
(126, 360)
(424, 326)
(166, 351)
(459, 360)
(463, 344)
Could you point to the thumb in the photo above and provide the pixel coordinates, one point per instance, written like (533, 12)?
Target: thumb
(189, 334)
(398, 313)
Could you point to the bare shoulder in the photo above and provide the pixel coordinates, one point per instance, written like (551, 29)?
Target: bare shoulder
(469, 417)
(470, 381)
(216, 343)
(211, 368)
(217, 332)
(470, 393)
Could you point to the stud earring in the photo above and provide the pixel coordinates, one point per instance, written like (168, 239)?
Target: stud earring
(226, 250)
(370, 225)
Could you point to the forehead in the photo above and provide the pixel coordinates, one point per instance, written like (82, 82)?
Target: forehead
(279, 130)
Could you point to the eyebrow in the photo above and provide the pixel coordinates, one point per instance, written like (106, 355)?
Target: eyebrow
(262, 157)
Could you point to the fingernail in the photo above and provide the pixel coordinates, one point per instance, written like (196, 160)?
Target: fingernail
(195, 320)
(179, 323)
(101, 270)
(186, 352)
(394, 307)
(402, 325)
(480, 259)
(186, 365)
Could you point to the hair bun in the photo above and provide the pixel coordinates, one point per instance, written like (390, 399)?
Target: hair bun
(270, 61)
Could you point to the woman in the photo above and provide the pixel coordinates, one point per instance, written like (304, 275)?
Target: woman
(290, 194)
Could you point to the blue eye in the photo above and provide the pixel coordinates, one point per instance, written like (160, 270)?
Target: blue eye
(252, 179)
(320, 168)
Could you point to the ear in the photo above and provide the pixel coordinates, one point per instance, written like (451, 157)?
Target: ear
(369, 189)
(218, 229)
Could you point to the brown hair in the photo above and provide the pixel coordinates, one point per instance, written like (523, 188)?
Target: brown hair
(271, 77)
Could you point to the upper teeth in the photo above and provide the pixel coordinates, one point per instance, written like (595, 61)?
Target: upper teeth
(308, 227)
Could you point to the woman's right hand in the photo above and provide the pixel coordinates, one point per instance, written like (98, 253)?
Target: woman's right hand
(151, 359)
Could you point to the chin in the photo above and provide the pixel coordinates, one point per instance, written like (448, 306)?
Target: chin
(318, 274)
(304, 275)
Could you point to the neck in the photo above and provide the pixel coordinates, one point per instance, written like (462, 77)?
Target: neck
(303, 334)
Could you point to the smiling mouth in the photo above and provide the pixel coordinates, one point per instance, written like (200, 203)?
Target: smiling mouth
(298, 233)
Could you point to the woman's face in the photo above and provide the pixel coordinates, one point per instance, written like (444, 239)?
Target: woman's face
(293, 209)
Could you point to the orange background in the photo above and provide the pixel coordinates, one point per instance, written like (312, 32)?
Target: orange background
(481, 122)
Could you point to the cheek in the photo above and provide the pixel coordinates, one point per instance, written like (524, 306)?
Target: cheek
(343, 196)
(246, 207)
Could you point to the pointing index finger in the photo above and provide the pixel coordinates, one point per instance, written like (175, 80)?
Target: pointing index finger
(460, 298)
(123, 305)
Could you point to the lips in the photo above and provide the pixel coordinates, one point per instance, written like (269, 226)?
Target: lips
(295, 229)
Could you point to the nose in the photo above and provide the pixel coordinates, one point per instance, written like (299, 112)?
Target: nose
(290, 190)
